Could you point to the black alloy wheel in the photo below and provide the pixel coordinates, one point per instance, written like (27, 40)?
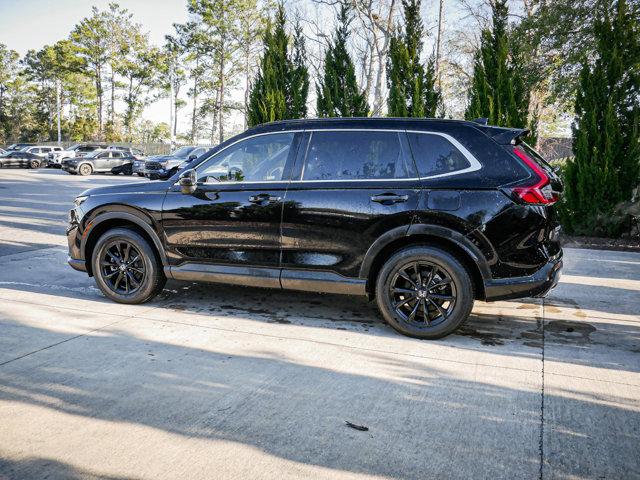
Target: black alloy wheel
(121, 267)
(126, 267)
(424, 292)
(127, 169)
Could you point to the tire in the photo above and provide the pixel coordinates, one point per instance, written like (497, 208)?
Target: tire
(127, 170)
(118, 285)
(85, 169)
(34, 164)
(140, 174)
(404, 307)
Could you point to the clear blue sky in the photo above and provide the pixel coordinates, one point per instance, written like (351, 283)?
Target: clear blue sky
(31, 24)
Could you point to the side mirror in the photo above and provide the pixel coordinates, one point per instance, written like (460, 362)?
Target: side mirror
(192, 157)
(188, 181)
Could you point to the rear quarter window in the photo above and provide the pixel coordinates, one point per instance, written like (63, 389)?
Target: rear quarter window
(436, 155)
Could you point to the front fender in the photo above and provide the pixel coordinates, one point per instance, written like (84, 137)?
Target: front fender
(137, 218)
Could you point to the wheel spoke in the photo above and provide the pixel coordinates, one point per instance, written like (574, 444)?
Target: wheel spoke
(442, 283)
(109, 275)
(403, 290)
(442, 312)
(446, 298)
(132, 280)
(425, 312)
(432, 272)
(404, 275)
(414, 311)
(127, 252)
(416, 268)
(403, 302)
(118, 280)
(137, 270)
(134, 260)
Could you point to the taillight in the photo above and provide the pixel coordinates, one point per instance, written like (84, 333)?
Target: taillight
(540, 193)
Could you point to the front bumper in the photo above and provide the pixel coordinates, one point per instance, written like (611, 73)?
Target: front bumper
(74, 240)
(536, 285)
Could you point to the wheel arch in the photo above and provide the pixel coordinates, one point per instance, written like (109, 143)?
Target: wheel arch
(106, 221)
(429, 235)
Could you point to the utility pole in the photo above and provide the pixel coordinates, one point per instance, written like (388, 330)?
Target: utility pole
(59, 110)
(171, 113)
(438, 42)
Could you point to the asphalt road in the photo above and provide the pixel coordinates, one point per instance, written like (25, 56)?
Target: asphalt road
(219, 382)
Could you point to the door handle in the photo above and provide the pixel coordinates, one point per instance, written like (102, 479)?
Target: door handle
(389, 198)
(263, 197)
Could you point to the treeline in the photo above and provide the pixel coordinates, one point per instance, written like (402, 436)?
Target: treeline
(236, 63)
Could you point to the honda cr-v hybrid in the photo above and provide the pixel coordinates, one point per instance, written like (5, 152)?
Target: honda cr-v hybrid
(423, 215)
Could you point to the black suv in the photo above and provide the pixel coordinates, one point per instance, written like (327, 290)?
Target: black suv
(423, 215)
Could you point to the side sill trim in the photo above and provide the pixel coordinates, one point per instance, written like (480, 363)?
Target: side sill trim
(290, 279)
(233, 275)
(321, 281)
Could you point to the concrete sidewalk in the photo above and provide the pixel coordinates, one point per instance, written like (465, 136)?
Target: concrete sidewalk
(214, 381)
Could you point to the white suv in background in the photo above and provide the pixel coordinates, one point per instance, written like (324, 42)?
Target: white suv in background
(77, 150)
(41, 150)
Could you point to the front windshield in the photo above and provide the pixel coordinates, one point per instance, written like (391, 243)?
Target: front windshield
(183, 152)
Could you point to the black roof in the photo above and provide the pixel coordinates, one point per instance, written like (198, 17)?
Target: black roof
(499, 134)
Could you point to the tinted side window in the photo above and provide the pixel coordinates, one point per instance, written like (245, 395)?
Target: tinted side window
(352, 155)
(257, 159)
(435, 154)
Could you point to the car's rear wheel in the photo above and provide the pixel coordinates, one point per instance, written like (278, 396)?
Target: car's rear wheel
(34, 164)
(85, 169)
(126, 268)
(127, 169)
(424, 292)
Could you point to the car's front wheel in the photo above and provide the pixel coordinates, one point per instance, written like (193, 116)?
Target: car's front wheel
(126, 268)
(34, 164)
(424, 292)
(85, 169)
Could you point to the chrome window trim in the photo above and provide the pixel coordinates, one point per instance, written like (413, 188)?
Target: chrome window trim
(473, 161)
(474, 164)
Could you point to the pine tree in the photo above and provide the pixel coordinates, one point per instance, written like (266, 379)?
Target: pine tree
(338, 93)
(282, 85)
(498, 88)
(268, 98)
(412, 88)
(299, 85)
(606, 134)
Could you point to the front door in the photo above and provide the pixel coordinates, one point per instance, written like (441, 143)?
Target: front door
(350, 188)
(101, 162)
(229, 228)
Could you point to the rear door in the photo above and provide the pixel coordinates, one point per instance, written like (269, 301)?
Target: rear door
(349, 187)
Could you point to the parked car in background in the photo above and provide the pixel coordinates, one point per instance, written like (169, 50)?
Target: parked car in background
(134, 152)
(17, 158)
(424, 215)
(2, 151)
(77, 150)
(107, 161)
(18, 146)
(42, 150)
(163, 166)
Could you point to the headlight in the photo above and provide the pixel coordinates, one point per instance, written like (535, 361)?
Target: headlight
(80, 200)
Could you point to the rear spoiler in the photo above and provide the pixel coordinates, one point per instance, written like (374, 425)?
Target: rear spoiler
(503, 135)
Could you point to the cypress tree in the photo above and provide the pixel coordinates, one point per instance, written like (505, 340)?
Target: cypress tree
(606, 135)
(412, 88)
(338, 92)
(498, 89)
(282, 84)
(299, 85)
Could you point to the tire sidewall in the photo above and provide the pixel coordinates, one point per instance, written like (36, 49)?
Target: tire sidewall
(446, 261)
(151, 264)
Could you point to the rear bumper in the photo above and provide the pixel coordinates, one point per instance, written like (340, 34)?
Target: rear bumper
(536, 285)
